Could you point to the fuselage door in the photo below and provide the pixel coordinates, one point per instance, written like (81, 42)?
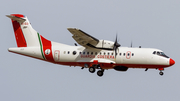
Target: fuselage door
(57, 55)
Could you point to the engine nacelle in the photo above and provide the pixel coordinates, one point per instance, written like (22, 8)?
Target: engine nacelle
(121, 68)
(105, 44)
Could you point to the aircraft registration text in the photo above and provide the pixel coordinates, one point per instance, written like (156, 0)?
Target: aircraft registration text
(98, 56)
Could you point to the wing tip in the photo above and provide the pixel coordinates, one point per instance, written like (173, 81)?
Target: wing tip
(72, 28)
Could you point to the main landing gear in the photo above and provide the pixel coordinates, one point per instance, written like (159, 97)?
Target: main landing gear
(92, 69)
(99, 72)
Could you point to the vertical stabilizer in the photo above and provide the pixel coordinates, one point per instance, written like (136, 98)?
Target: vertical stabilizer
(25, 35)
(29, 42)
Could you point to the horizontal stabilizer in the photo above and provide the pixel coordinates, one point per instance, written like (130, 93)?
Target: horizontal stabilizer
(15, 18)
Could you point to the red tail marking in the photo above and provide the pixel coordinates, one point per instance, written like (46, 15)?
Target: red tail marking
(20, 40)
(46, 47)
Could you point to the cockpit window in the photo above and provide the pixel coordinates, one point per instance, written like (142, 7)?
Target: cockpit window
(154, 52)
(160, 54)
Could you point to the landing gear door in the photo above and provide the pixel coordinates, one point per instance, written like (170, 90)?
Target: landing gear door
(57, 55)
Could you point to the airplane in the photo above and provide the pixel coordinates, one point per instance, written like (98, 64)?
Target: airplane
(93, 53)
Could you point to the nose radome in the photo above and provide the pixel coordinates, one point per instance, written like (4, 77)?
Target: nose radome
(171, 62)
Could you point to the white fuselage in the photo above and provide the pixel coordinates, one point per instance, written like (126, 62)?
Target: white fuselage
(130, 57)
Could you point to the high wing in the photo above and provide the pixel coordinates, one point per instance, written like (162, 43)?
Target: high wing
(83, 38)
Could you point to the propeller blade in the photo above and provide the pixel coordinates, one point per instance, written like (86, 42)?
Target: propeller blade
(116, 45)
(115, 53)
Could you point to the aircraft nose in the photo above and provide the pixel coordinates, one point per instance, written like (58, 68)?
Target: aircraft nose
(171, 62)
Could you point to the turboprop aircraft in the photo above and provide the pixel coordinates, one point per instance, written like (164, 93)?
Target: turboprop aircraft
(93, 53)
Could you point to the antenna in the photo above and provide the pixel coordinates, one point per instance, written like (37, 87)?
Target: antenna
(75, 44)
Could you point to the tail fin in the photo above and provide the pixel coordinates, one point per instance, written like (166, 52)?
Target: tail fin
(25, 35)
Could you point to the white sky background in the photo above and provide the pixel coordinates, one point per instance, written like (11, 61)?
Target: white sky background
(149, 23)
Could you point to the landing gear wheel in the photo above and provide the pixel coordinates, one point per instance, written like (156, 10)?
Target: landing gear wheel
(100, 73)
(92, 70)
(161, 73)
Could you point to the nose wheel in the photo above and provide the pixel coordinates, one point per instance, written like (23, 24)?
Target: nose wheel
(161, 73)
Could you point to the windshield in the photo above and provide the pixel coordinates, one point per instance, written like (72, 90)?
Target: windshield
(160, 54)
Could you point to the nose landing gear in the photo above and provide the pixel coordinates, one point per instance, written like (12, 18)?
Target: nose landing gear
(161, 73)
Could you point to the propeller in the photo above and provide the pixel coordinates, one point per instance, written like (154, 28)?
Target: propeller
(116, 45)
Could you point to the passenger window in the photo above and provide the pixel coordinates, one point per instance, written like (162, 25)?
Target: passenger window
(132, 54)
(108, 53)
(64, 52)
(104, 53)
(87, 53)
(91, 53)
(124, 54)
(100, 53)
(95, 53)
(154, 52)
(111, 53)
(120, 54)
(128, 54)
(83, 52)
(68, 52)
(79, 52)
